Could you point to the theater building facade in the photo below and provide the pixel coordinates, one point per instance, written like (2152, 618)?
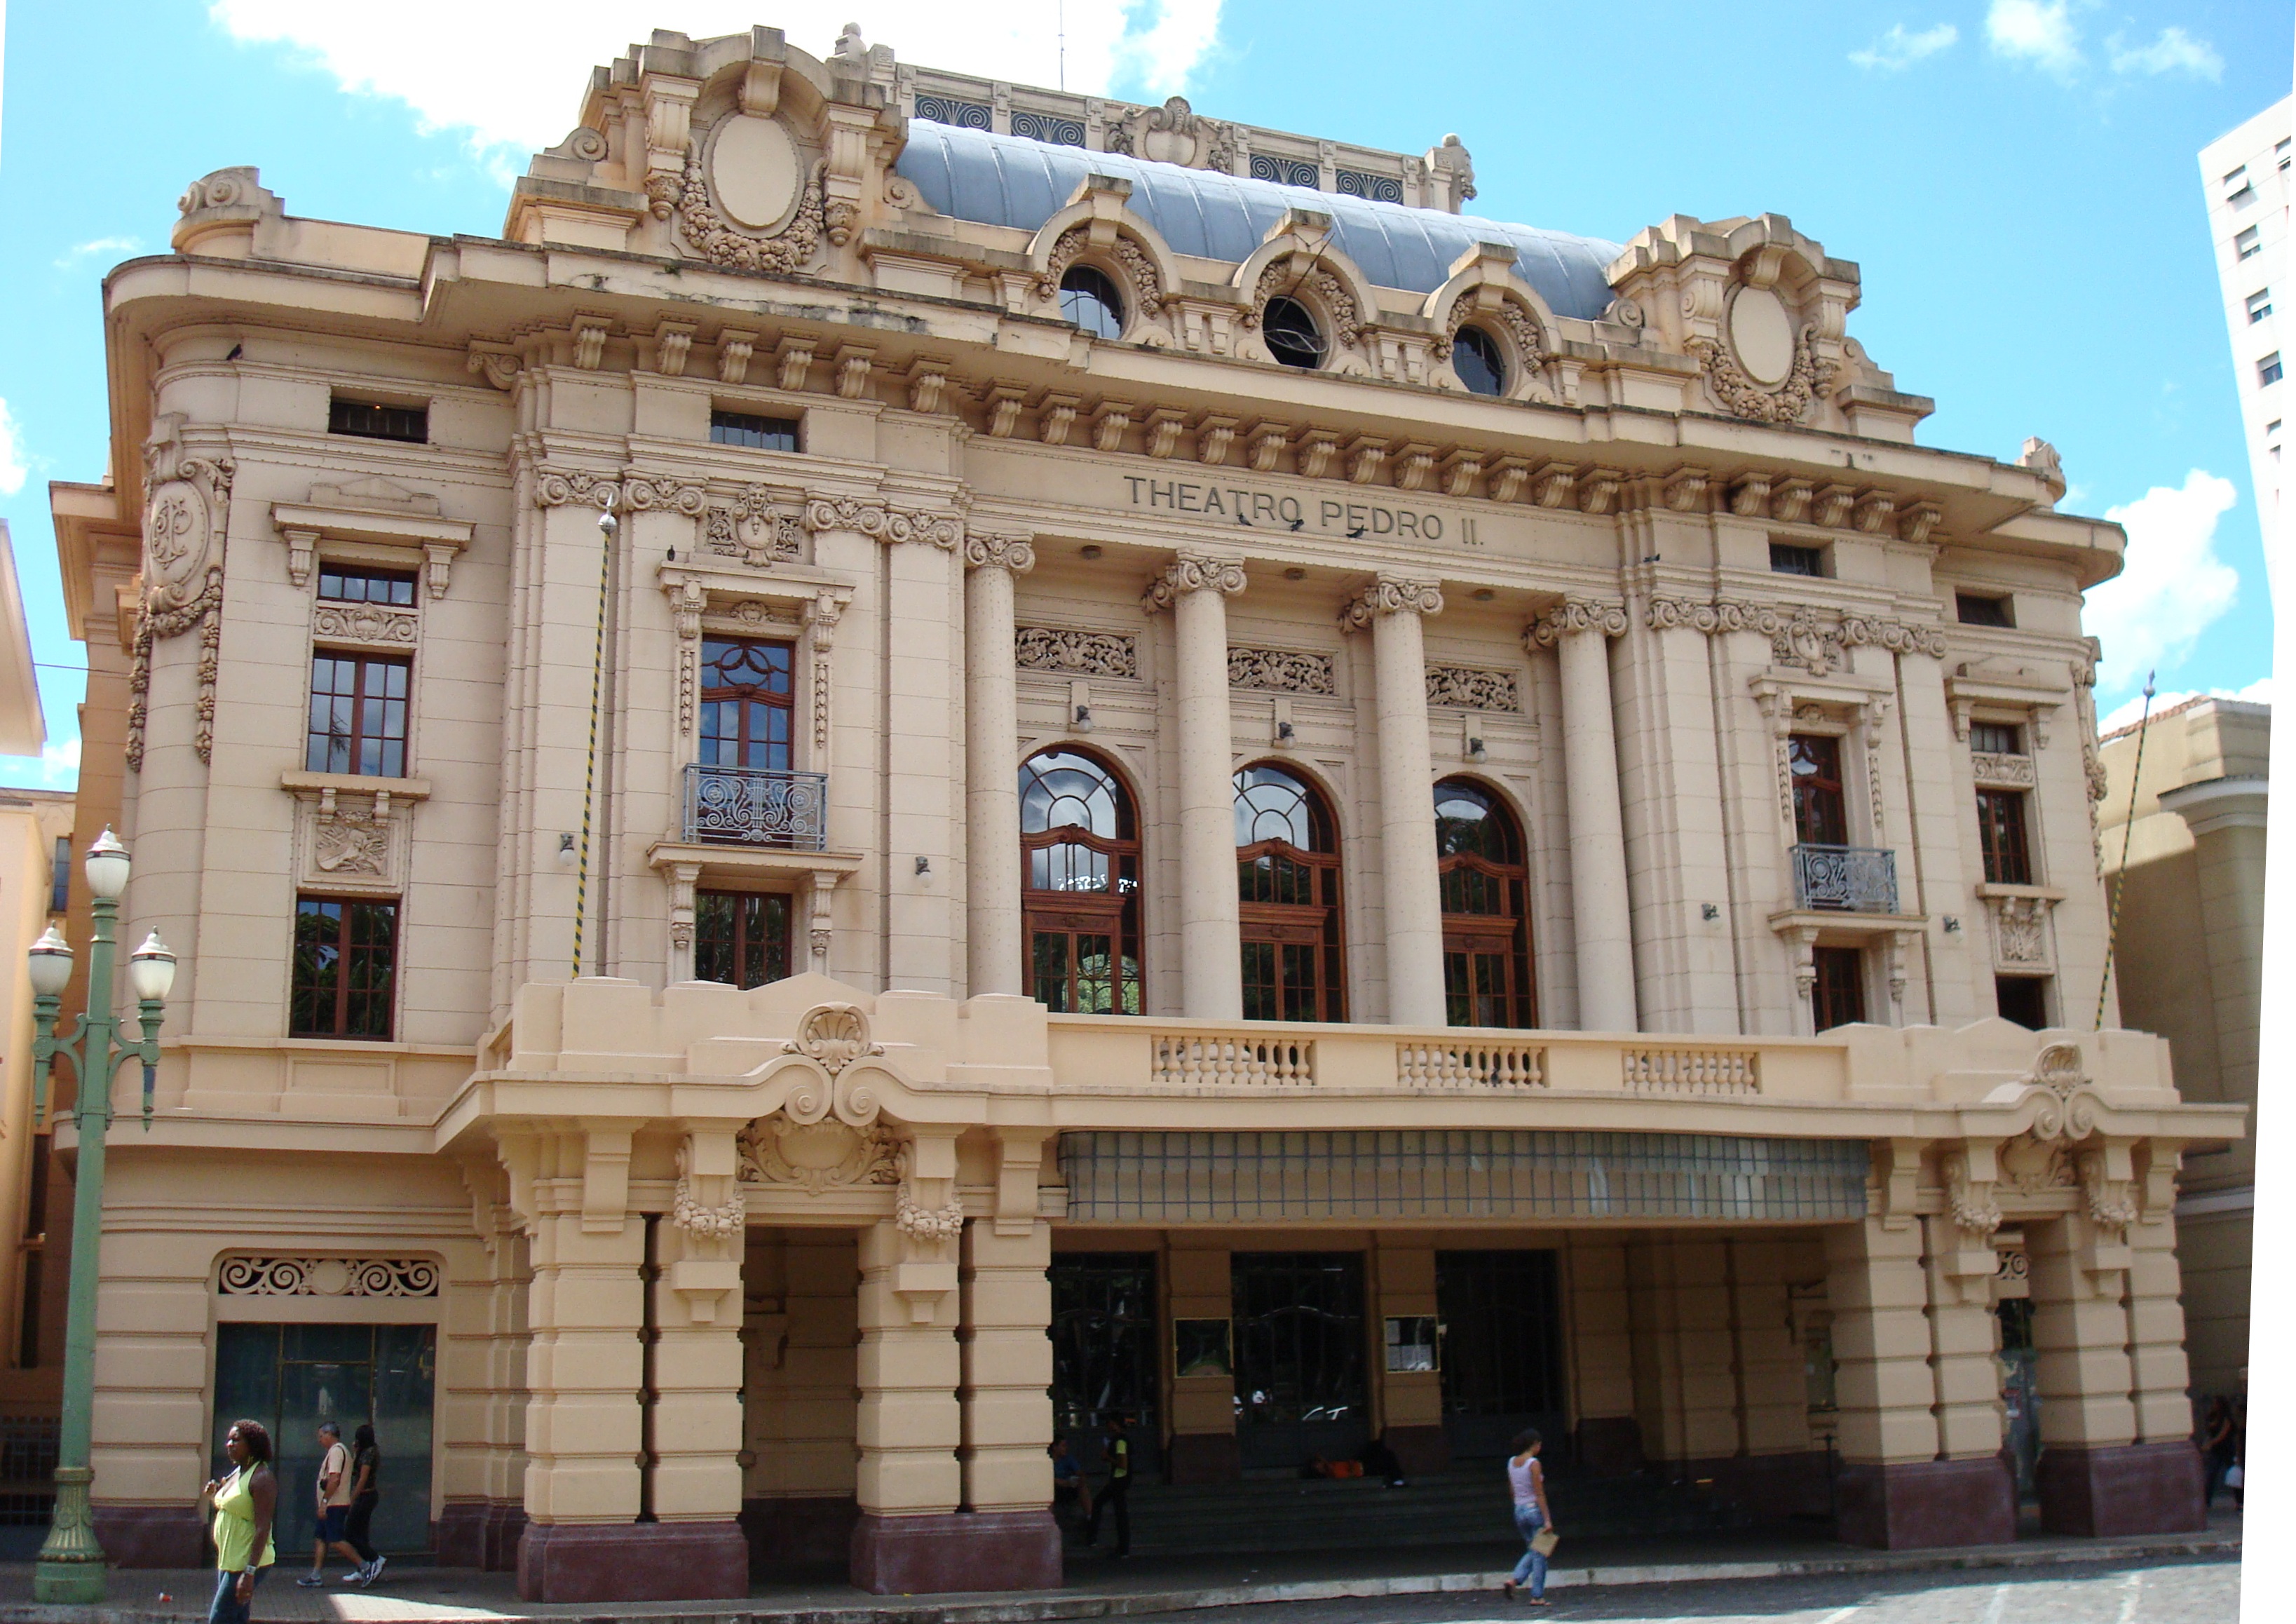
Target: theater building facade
(931, 760)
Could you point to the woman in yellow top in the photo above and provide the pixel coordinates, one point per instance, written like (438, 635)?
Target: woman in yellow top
(243, 1504)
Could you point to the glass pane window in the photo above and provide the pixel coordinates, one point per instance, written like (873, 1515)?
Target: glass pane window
(1301, 1386)
(369, 420)
(2001, 830)
(1090, 302)
(358, 714)
(1981, 608)
(1486, 974)
(1287, 883)
(1292, 336)
(1839, 997)
(345, 967)
(1814, 763)
(747, 703)
(740, 938)
(1787, 559)
(753, 432)
(1080, 874)
(1476, 357)
(1997, 738)
(345, 584)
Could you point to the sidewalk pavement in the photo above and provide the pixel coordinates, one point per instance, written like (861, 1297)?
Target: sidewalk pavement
(1100, 1587)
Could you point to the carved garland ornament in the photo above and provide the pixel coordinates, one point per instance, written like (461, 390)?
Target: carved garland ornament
(1280, 671)
(786, 251)
(1742, 397)
(1131, 258)
(1076, 654)
(928, 1224)
(1971, 1201)
(1522, 326)
(718, 1223)
(1471, 690)
(879, 522)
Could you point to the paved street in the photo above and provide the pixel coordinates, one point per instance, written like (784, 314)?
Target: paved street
(2186, 1591)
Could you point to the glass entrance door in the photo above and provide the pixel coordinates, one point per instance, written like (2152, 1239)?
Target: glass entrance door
(290, 1378)
(1502, 1348)
(1300, 1381)
(1105, 1353)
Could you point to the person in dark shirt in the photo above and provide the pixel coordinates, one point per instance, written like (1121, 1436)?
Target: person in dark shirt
(1117, 1450)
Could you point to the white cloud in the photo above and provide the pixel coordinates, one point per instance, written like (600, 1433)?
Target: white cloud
(107, 247)
(2129, 712)
(60, 765)
(1899, 49)
(2174, 52)
(2037, 31)
(399, 50)
(11, 454)
(2172, 586)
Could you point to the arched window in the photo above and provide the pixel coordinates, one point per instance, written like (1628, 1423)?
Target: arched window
(1287, 868)
(747, 703)
(1292, 336)
(1089, 300)
(1476, 357)
(1079, 886)
(1487, 978)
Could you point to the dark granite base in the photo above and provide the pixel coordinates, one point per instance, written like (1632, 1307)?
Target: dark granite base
(633, 1562)
(2136, 1488)
(1767, 1488)
(1925, 1504)
(166, 1536)
(1611, 1446)
(926, 1555)
(1205, 1458)
(1423, 1451)
(481, 1534)
(799, 1531)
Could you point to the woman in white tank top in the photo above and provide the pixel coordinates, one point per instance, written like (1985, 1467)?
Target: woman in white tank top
(1528, 1480)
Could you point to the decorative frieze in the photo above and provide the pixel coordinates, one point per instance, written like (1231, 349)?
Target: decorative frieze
(1995, 771)
(1281, 671)
(379, 625)
(1801, 636)
(754, 526)
(882, 521)
(328, 1277)
(1067, 652)
(1469, 689)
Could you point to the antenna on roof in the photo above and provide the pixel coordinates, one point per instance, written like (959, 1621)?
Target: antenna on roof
(1060, 23)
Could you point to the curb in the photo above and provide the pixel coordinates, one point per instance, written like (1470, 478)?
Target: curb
(1144, 1603)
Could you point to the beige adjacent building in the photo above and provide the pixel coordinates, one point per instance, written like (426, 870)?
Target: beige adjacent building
(920, 712)
(2190, 866)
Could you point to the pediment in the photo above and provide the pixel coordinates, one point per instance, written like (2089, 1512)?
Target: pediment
(372, 495)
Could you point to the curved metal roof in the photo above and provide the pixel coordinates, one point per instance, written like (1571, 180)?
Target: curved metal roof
(1011, 180)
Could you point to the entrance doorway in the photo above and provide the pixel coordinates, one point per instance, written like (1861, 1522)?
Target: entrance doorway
(1502, 1349)
(1299, 1377)
(290, 1378)
(2021, 1394)
(1105, 1353)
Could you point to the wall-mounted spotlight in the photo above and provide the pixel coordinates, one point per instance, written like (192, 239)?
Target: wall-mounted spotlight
(1084, 719)
(1285, 734)
(1475, 751)
(924, 865)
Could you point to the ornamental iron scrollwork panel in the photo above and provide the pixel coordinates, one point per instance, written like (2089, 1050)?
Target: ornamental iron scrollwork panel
(328, 1277)
(1855, 879)
(1051, 128)
(1285, 171)
(948, 109)
(739, 806)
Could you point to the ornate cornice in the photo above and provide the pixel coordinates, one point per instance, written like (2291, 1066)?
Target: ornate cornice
(987, 550)
(1575, 615)
(881, 522)
(1391, 594)
(1193, 572)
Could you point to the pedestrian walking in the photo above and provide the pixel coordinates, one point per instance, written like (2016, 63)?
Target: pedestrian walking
(333, 1491)
(367, 1494)
(2216, 1446)
(1527, 1480)
(242, 1503)
(1116, 1491)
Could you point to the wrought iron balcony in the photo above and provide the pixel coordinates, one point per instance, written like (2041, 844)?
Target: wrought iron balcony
(1853, 879)
(740, 806)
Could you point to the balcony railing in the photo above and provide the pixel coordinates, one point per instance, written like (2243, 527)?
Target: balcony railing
(1853, 879)
(740, 806)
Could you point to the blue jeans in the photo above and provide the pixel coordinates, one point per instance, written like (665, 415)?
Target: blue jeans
(227, 1608)
(1533, 1566)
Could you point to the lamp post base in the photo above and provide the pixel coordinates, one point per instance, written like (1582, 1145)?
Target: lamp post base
(69, 1570)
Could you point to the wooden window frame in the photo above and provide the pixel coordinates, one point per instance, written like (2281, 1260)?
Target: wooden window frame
(740, 943)
(1468, 937)
(1829, 993)
(743, 695)
(339, 996)
(2005, 842)
(1807, 786)
(319, 746)
(1115, 914)
(1320, 926)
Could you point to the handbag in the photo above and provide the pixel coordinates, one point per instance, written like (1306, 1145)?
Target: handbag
(1545, 1541)
(2233, 1476)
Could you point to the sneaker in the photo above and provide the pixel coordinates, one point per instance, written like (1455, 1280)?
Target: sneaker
(312, 1581)
(374, 1569)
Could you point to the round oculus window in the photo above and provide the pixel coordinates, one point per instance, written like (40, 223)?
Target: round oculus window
(1090, 302)
(1475, 356)
(1292, 336)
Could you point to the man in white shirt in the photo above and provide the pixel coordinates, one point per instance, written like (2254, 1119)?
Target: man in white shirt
(335, 1506)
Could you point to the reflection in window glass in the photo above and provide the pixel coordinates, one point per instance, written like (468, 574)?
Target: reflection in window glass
(1090, 302)
(1475, 358)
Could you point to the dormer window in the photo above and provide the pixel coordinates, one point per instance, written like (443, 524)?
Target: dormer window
(370, 420)
(1981, 608)
(1476, 357)
(1292, 336)
(1090, 302)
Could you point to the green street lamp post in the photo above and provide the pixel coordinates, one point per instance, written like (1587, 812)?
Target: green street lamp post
(70, 1565)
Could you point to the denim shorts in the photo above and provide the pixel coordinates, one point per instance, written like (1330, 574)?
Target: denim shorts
(331, 1520)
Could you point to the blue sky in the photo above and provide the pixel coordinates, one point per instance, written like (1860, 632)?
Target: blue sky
(2017, 180)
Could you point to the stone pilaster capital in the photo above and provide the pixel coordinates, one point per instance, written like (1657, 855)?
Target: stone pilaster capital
(882, 521)
(1194, 572)
(1575, 615)
(1391, 594)
(985, 550)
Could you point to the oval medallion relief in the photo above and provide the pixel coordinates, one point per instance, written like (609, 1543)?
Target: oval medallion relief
(1762, 335)
(753, 170)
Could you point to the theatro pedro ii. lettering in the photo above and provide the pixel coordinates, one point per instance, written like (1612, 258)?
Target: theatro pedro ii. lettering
(1265, 510)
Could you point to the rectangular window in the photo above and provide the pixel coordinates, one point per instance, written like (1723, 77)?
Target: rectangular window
(2267, 370)
(346, 965)
(368, 421)
(59, 878)
(358, 714)
(2001, 829)
(755, 433)
(748, 701)
(2247, 245)
(348, 584)
(1838, 998)
(740, 938)
(2023, 998)
(1813, 761)
(1981, 608)
(1997, 738)
(1787, 559)
(2259, 305)
(2237, 190)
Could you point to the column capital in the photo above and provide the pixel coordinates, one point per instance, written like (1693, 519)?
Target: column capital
(990, 549)
(1575, 615)
(1191, 571)
(1391, 594)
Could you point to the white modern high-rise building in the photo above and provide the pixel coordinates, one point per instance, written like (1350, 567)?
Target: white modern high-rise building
(2244, 174)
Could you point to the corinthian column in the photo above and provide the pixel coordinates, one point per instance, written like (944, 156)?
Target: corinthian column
(1194, 587)
(1582, 632)
(1392, 606)
(992, 800)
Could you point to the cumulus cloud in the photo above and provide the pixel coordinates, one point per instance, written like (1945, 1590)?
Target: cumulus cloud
(11, 454)
(2174, 52)
(1898, 48)
(108, 248)
(2172, 586)
(2129, 712)
(60, 765)
(2041, 32)
(395, 51)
